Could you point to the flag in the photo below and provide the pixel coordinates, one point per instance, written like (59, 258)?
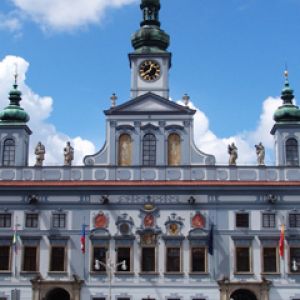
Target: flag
(281, 241)
(82, 238)
(211, 240)
(15, 240)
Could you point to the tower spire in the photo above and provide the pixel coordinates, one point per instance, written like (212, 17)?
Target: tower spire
(288, 112)
(150, 38)
(14, 113)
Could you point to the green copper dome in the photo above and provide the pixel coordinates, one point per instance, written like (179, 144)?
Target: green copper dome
(150, 38)
(288, 112)
(14, 113)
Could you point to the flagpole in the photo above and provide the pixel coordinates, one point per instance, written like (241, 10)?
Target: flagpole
(84, 269)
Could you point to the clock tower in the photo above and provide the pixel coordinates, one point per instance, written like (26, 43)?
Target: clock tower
(150, 62)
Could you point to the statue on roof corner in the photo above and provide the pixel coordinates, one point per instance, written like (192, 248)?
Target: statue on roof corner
(233, 154)
(69, 154)
(260, 152)
(40, 154)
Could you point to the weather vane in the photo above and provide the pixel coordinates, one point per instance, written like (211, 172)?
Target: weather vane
(286, 72)
(16, 74)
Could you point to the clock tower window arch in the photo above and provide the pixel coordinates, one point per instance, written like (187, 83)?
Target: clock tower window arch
(174, 149)
(292, 152)
(149, 149)
(125, 150)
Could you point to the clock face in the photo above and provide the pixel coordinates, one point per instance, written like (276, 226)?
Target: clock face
(150, 70)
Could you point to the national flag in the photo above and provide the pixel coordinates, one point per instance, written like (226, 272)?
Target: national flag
(211, 240)
(281, 241)
(15, 240)
(82, 238)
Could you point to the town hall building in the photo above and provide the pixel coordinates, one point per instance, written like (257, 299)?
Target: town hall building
(149, 216)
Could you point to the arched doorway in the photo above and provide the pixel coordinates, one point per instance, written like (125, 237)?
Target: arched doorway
(58, 294)
(242, 295)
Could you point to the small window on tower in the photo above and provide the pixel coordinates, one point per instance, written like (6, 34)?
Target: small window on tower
(292, 152)
(9, 150)
(149, 150)
(124, 150)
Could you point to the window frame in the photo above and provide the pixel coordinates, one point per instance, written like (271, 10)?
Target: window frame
(292, 160)
(294, 214)
(154, 247)
(249, 220)
(53, 220)
(205, 260)
(65, 258)
(12, 149)
(263, 262)
(250, 260)
(152, 153)
(2, 214)
(130, 265)
(268, 214)
(37, 220)
(168, 247)
(9, 258)
(37, 263)
(168, 150)
(290, 247)
(93, 259)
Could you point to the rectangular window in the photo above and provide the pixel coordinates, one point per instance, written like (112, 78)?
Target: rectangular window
(295, 259)
(5, 258)
(99, 254)
(148, 259)
(58, 259)
(173, 259)
(99, 298)
(269, 220)
(270, 259)
(242, 220)
(294, 220)
(31, 220)
(30, 259)
(198, 259)
(5, 220)
(242, 256)
(59, 220)
(124, 254)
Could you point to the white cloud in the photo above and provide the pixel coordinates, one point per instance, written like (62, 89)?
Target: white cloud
(10, 22)
(67, 14)
(39, 109)
(208, 142)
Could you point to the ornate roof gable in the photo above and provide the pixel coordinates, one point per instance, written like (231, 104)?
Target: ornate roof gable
(149, 104)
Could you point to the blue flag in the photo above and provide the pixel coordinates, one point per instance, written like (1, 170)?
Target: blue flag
(211, 240)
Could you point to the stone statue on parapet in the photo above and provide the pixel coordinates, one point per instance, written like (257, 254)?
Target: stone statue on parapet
(40, 154)
(260, 152)
(69, 154)
(233, 154)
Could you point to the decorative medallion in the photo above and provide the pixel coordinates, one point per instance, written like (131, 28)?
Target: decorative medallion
(148, 239)
(174, 225)
(198, 221)
(124, 229)
(100, 220)
(149, 206)
(124, 224)
(149, 220)
(173, 229)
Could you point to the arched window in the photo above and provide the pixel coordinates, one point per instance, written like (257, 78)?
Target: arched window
(9, 150)
(292, 152)
(174, 151)
(125, 146)
(149, 150)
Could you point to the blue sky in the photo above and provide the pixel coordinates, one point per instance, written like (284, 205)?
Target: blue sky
(228, 55)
